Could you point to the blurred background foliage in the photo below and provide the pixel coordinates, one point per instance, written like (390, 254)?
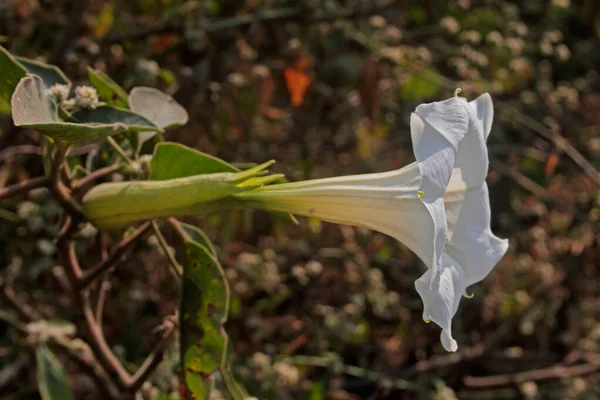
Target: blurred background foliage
(321, 311)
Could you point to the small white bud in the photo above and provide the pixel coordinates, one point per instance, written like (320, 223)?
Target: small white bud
(86, 97)
(58, 92)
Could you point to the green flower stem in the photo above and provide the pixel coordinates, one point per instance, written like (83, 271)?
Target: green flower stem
(119, 150)
(165, 246)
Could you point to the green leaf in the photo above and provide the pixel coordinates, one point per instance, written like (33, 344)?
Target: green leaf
(113, 115)
(204, 309)
(52, 381)
(197, 235)
(158, 107)
(31, 108)
(108, 90)
(148, 146)
(4, 107)
(12, 72)
(235, 389)
(317, 391)
(173, 160)
(50, 74)
(422, 85)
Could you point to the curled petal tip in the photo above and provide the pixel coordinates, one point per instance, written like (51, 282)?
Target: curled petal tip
(448, 342)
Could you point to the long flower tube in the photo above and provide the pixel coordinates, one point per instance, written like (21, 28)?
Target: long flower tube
(438, 206)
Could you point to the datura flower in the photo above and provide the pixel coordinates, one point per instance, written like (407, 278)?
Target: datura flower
(437, 206)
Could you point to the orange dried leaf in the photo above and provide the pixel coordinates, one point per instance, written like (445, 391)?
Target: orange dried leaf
(551, 163)
(297, 80)
(161, 43)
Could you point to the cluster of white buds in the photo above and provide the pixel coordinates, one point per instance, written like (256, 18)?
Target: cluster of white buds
(86, 97)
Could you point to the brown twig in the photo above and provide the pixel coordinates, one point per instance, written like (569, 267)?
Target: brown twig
(90, 365)
(104, 285)
(23, 187)
(155, 356)
(102, 291)
(67, 250)
(66, 171)
(122, 248)
(101, 349)
(536, 189)
(87, 361)
(105, 355)
(183, 236)
(87, 180)
(10, 297)
(97, 342)
(299, 14)
(59, 189)
(78, 282)
(559, 141)
(558, 371)
(20, 149)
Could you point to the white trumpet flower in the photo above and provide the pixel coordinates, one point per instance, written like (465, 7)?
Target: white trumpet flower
(437, 206)
(471, 249)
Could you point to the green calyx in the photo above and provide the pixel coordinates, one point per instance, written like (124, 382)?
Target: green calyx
(118, 204)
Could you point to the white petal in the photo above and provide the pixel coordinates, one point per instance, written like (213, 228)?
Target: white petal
(437, 240)
(471, 161)
(470, 238)
(472, 157)
(467, 204)
(441, 299)
(402, 183)
(437, 129)
(406, 220)
(484, 110)
(385, 202)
